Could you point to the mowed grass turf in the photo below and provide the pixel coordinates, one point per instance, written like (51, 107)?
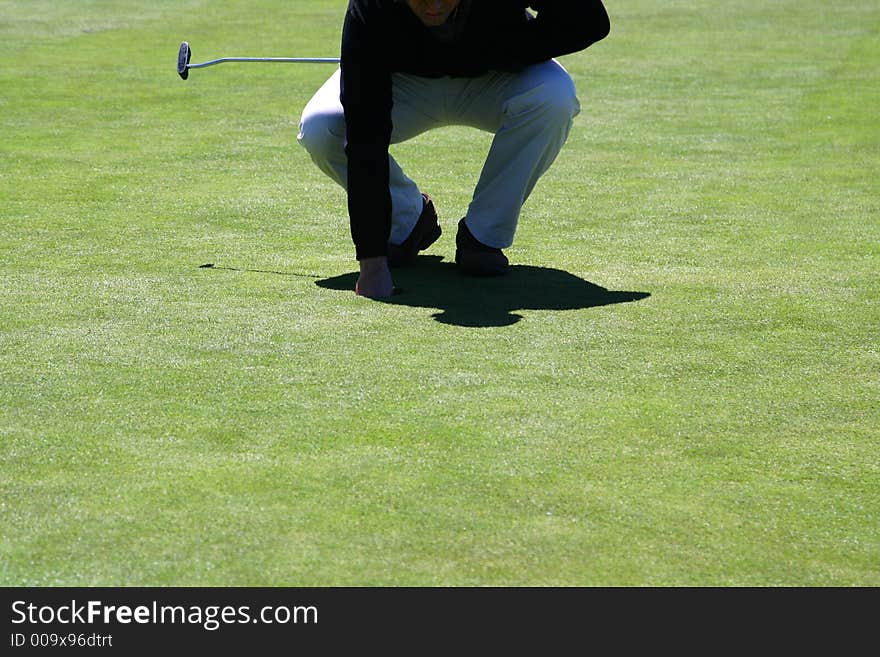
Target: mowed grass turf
(677, 384)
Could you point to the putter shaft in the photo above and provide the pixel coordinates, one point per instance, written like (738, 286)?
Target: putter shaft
(185, 52)
(299, 60)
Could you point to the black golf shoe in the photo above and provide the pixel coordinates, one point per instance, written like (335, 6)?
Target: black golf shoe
(426, 232)
(475, 258)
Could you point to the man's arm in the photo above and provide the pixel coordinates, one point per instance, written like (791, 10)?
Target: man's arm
(366, 99)
(560, 27)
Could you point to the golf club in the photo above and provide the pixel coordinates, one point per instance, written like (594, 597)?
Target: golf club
(185, 53)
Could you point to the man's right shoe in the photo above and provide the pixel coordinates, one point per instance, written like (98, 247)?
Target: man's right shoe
(426, 231)
(475, 258)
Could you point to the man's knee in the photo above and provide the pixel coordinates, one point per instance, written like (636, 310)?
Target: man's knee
(321, 133)
(564, 100)
(552, 95)
(558, 98)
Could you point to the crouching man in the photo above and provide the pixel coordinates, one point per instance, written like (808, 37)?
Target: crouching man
(408, 66)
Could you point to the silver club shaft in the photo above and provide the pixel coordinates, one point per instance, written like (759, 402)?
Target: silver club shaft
(299, 60)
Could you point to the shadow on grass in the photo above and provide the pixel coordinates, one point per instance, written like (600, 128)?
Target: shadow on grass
(482, 302)
(211, 265)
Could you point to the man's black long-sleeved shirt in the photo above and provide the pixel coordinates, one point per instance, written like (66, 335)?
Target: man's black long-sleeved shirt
(382, 37)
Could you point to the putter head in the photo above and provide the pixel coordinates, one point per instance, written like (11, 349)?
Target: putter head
(183, 56)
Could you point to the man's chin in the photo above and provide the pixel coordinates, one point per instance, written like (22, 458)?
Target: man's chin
(434, 21)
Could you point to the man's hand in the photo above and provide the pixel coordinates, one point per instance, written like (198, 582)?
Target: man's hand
(375, 279)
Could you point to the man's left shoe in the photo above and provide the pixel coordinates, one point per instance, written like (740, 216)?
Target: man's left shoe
(427, 231)
(475, 258)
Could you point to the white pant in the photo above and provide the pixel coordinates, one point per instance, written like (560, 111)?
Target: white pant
(530, 113)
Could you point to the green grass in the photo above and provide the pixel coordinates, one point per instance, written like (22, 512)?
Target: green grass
(677, 385)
